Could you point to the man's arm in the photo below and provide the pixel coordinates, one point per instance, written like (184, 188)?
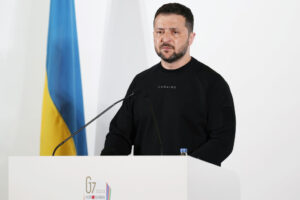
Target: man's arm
(220, 127)
(121, 131)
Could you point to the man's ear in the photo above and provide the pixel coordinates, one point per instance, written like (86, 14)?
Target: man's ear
(191, 38)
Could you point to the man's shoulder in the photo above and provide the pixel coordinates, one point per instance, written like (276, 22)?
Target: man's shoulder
(146, 73)
(204, 72)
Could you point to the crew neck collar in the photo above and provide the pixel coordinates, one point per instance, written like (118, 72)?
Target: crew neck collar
(180, 69)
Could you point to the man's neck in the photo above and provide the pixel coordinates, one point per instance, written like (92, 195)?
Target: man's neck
(177, 64)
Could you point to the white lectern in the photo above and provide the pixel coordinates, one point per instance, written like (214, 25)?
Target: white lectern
(119, 178)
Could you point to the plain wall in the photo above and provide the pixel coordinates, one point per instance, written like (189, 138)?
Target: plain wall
(253, 44)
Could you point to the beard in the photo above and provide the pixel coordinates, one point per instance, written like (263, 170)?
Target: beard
(176, 55)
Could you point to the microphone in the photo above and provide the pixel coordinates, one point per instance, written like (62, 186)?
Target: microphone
(81, 128)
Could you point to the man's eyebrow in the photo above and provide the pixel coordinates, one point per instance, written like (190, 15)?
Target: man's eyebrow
(166, 28)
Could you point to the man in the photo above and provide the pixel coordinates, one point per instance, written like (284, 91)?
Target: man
(178, 103)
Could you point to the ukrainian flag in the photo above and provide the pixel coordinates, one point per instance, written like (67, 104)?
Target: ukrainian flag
(62, 112)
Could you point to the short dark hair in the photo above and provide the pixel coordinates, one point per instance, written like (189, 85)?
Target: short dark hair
(178, 9)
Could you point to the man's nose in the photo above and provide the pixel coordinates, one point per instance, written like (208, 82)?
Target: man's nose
(166, 37)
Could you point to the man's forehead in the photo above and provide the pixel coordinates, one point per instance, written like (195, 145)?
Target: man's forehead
(169, 21)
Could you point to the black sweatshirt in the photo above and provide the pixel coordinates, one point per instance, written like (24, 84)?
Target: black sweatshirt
(190, 107)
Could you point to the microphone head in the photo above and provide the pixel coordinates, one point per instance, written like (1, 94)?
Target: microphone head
(140, 93)
(131, 94)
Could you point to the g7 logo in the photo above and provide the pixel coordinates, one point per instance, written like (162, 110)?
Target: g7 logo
(89, 185)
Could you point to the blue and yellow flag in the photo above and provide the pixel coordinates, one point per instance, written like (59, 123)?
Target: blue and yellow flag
(62, 112)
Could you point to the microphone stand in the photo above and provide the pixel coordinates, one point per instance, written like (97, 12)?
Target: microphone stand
(84, 126)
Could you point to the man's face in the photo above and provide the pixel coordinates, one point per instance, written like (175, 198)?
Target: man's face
(171, 37)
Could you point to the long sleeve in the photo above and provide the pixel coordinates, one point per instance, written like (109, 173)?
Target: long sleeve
(121, 132)
(221, 125)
